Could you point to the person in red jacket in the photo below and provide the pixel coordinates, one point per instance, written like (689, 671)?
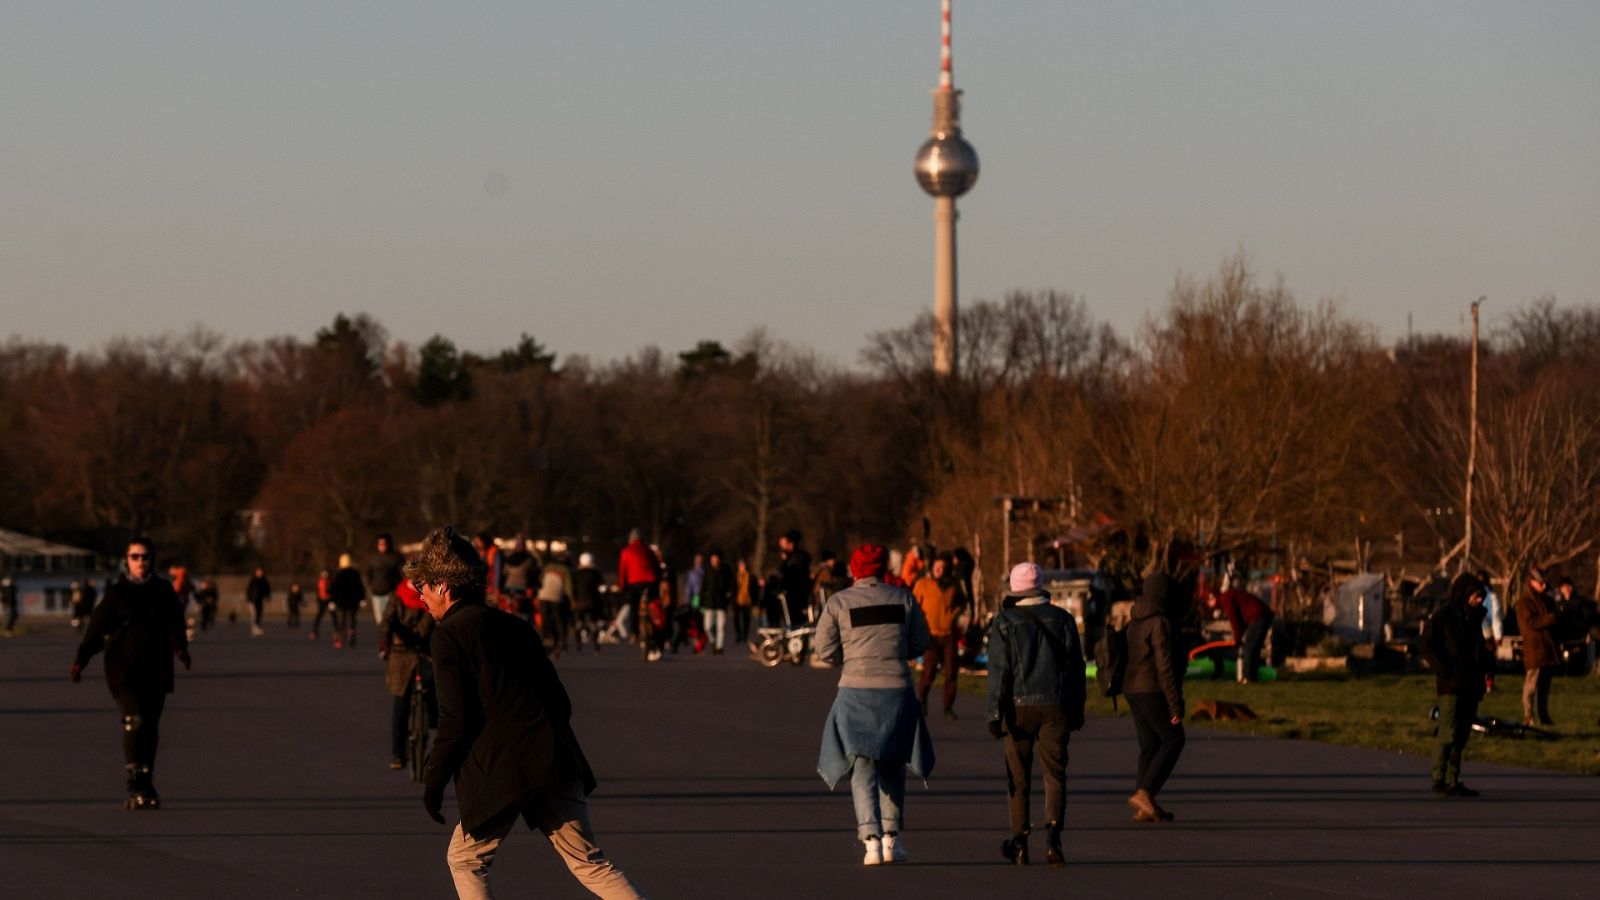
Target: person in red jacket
(1251, 620)
(638, 576)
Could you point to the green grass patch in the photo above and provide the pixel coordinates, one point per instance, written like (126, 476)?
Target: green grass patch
(1390, 712)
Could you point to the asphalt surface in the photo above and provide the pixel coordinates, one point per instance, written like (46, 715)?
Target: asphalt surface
(274, 777)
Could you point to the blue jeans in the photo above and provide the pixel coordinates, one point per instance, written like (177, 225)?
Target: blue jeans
(879, 792)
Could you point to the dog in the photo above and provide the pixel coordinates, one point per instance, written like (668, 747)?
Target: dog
(1221, 711)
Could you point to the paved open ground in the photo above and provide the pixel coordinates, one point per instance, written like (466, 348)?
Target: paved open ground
(274, 777)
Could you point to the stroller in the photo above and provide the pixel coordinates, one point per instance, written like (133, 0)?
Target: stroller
(790, 642)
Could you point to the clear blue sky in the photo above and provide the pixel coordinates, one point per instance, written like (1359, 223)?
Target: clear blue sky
(606, 175)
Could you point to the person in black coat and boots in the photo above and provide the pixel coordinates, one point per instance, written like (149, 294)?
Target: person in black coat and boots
(504, 734)
(1453, 645)
(140, 627)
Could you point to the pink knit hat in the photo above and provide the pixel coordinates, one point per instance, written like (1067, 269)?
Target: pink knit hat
(1025, 577)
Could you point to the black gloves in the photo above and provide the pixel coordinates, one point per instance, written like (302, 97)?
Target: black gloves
(996, 729)
(432, 800)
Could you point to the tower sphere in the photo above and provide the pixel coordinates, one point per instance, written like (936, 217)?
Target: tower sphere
(947, 166)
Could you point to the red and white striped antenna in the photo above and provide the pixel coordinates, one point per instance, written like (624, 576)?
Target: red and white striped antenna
(945, 81)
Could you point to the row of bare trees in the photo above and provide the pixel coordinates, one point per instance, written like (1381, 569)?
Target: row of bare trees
(1239, 417)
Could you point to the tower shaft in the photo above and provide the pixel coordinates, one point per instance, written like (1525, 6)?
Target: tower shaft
(945, 335)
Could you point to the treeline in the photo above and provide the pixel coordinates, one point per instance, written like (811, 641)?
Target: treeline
(1238, 417)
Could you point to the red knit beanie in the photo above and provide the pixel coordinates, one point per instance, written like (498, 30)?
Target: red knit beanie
(869, 561)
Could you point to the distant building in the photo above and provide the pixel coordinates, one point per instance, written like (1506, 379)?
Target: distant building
(44, 571)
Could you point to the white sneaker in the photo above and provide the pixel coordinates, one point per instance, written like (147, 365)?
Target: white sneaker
(893, 850)
(874, 852)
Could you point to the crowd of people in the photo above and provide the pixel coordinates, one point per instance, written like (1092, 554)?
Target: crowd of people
(476, 623)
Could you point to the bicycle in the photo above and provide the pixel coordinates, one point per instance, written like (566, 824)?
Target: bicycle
(417, 727)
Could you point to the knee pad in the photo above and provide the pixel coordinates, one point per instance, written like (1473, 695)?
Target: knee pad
(132, 723)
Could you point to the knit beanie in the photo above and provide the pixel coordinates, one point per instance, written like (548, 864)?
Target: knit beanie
(1025, 577)
(869, 561)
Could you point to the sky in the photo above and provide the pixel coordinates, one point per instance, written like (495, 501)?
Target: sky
(610, 175)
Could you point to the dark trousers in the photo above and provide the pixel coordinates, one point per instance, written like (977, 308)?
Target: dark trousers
(1160, 741)
(324, 608)
(1255, 634)
(551, 627)
(1041, 728)
(400, 718)
(141, 726)
(344, 622)
(1455, 726)
(13, 609)
(941, 652)
(741, 623)
(293, 620)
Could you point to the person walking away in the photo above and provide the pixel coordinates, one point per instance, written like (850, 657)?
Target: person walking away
(83, 600)
(1536, 619)
(505, 736)
(1454, 647)
(256, 593)
(555, 585)
(383, 573)
(1153, 685)
(519, 573)
(716, 595)
(140, 628)
(638, 577)
(1036, 696)
(206, 597)
(588, 606)
(794, 571)
(325, 604)
(936, 595)
(11, 603)
(292, 602)
(403, 643)
(744, 594)
(1251, 620)
(875, 730)
(348, 592)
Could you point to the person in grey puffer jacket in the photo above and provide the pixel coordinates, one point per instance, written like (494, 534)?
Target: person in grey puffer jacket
(875, 731)
(1036, 696)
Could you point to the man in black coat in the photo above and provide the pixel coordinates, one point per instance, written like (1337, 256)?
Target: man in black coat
(504, 732)
(140, 627)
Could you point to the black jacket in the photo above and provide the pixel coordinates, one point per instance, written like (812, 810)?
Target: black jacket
(140, 628)
(258, 590)
(1156, 655)
(504, 730)
(384, 572)
(347, 590)
(716, 592)
(1453, 643)
(586, 582)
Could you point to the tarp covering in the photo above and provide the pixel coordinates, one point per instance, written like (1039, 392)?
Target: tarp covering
(1354, 610)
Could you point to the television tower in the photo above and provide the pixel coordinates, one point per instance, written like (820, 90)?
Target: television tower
(947, 167)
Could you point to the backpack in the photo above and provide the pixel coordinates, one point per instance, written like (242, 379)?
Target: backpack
(1111, 662)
